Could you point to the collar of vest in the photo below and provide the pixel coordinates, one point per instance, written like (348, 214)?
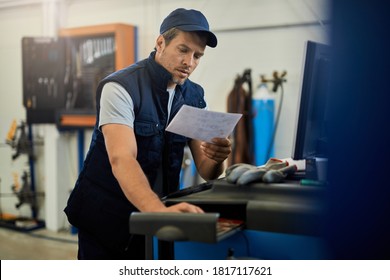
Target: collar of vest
(160, 75)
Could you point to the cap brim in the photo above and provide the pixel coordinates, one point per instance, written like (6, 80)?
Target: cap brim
(211, 38)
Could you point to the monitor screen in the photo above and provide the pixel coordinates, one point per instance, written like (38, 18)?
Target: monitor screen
(310, 139)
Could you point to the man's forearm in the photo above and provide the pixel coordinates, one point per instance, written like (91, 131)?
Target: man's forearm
(210, 169)
(136, 186)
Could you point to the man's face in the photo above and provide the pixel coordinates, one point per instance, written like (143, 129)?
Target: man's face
(181, 56)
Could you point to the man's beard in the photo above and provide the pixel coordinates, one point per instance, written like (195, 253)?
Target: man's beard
(178, 82)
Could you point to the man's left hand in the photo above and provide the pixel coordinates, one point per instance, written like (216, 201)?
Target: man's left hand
(218, 150)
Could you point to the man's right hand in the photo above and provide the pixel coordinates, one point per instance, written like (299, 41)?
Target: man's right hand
(184, 207)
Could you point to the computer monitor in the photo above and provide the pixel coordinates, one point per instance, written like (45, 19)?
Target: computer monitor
(310, 140)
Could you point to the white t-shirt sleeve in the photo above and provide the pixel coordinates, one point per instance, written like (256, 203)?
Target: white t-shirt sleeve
(116, 106)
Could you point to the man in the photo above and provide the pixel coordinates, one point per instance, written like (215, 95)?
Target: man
(132, 160)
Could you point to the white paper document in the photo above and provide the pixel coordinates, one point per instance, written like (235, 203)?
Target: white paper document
(202, 124)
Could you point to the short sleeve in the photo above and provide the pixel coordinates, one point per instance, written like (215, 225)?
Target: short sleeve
(116, 105)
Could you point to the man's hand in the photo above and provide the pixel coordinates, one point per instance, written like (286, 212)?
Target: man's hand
(184, 207)
(218, 150)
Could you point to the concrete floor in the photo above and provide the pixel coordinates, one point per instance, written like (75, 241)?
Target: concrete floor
(40, 244)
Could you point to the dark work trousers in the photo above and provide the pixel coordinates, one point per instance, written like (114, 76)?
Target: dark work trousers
(91, 249)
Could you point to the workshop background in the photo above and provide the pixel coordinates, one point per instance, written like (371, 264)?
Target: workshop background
(263, 36)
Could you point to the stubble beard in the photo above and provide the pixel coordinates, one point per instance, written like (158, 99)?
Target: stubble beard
(178, 81)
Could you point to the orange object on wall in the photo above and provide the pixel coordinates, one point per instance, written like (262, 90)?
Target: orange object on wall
(125, 54)
(124, 39)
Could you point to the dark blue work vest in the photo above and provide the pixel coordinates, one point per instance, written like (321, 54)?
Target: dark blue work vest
(146, 82)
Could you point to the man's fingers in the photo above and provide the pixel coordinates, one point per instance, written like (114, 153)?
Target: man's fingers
(187, 208)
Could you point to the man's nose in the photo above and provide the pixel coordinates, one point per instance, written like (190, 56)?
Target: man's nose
(189, 60)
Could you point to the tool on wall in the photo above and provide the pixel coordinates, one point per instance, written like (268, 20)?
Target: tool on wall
(23, 192)
(277, 80)
(17, 138)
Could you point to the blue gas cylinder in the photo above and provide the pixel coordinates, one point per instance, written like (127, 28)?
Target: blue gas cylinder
(263, 111)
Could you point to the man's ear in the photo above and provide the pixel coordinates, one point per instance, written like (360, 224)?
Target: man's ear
(160, 42)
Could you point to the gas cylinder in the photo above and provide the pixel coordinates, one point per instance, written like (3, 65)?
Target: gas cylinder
(263, 112)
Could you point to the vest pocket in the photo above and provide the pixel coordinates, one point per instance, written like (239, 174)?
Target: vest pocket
(143, 128)
(149, 142)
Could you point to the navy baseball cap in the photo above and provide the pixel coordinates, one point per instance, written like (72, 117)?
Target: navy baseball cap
(189, 20)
